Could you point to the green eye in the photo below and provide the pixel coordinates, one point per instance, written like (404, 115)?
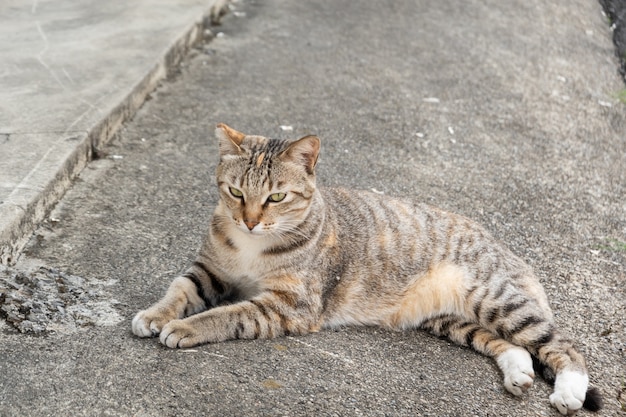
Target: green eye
(275, 198)
(235, 192)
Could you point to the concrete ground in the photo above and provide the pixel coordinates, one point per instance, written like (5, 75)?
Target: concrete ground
(504, 111)
(71, 73)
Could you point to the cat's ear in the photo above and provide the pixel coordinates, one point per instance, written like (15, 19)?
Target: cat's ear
(230, 140)
(304, 151)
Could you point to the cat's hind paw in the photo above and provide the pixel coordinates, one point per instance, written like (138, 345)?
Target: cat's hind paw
(570, 388)
(517, 367)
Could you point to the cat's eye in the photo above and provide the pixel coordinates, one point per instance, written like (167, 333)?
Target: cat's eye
(235, 192)
(276, 197)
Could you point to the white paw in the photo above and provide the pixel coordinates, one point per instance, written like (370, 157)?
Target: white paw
(569, 393)
(517, 367)
(146, 324)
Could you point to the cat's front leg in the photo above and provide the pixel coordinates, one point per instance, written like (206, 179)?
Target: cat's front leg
(180, 300)
(269, 315)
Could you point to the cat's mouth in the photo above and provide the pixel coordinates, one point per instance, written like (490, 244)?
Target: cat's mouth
(257, 229)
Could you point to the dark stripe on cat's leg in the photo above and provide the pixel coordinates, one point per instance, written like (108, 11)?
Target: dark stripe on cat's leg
(257, 326)
(492, 315)
(501, 289)
(440, 326)
(444, 326)
(511, 307)
(193, 278)
(265, 308)
(215, 282)
(262, 310)
(469, 336)
(520, 327)
(545, 338)
(526, 323)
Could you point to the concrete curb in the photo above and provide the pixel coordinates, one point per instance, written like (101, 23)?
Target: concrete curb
(24, 210)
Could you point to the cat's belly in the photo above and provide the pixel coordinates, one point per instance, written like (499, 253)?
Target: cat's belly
(439, 291)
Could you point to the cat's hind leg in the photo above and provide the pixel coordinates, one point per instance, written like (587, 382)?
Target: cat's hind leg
(571, 386)
(515, 362)
(516, 309)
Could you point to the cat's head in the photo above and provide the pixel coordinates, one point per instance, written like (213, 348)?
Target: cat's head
(266, 185)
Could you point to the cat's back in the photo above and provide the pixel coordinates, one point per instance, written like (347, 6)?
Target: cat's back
(397, 238)
(383, 236)
(394, 225)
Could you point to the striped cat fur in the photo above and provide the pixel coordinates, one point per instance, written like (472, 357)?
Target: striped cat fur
(283, 256)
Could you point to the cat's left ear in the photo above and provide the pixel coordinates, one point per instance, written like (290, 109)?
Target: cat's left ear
(304, 151)
(230, 140)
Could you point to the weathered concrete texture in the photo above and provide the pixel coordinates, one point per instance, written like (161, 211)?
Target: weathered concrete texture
(71, 73)
(50, 300)
(501, 110)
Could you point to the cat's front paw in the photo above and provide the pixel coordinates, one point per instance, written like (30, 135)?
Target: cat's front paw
(148, 323)
(517, 367)
(569, 393)
(180, 334)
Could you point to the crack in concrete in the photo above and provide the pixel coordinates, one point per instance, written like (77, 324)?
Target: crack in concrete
(43, 52)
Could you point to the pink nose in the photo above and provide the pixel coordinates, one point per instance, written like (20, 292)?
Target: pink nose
(250, 223)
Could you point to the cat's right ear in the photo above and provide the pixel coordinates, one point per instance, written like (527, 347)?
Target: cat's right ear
(229, 139)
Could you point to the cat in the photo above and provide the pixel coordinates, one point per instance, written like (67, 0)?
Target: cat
(283, 256)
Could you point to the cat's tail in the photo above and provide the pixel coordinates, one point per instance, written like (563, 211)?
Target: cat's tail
(593, 398)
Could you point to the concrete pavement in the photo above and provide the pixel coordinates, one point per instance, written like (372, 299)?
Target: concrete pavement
(503, 111)
(70, 75)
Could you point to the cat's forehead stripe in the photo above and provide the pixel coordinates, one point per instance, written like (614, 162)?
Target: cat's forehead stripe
(263, 154)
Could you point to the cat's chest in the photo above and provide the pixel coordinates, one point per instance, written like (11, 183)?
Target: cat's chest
(245, 258)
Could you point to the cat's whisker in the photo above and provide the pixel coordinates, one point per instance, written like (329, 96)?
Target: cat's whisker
(291, 232)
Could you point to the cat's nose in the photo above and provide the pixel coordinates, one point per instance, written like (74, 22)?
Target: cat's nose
(250, 223)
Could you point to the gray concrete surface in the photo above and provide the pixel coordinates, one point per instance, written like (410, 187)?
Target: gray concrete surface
(503, 111)
(71, 73)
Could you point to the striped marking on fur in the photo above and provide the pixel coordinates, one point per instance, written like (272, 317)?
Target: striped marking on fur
(259, 159)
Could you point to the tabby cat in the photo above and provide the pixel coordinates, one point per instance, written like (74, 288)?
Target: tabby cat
(284, 257)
